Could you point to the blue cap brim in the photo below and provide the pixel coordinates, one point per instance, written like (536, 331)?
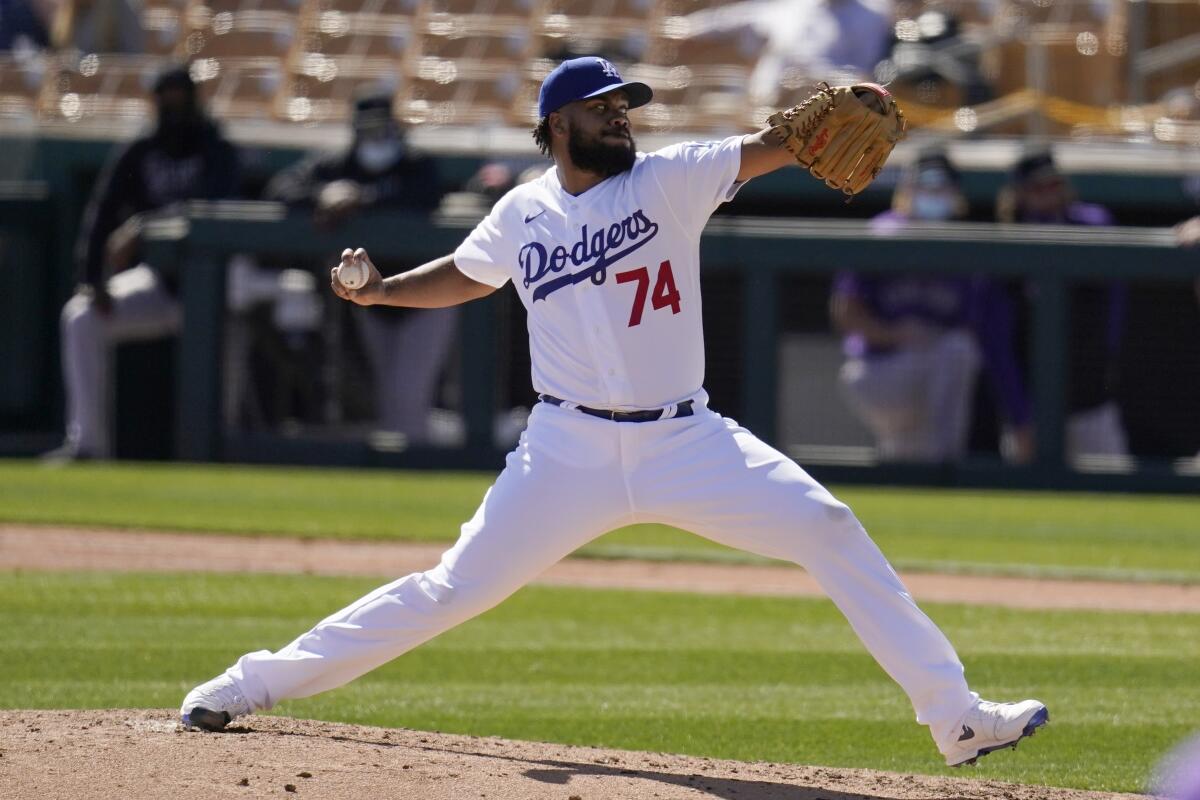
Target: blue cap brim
(639, 93)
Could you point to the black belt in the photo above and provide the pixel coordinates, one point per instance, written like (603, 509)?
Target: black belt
(683, 409)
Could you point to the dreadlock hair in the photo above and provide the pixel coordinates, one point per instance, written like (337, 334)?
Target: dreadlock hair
(541, 135)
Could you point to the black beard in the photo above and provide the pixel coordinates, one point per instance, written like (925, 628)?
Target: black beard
(600, 157)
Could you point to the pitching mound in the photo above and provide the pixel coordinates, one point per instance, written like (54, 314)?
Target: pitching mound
(137, 754)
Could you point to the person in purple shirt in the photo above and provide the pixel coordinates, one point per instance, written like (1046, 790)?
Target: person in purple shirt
(915, 343)
(1038, 193)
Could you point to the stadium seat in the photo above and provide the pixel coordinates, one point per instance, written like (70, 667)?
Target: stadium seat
(693, 98)
(442, 92)
(496, 10)
(237, 6)
(238, 89)
(162, 26)
(267, 35)
(324, 98)
(1025, 13)
(337, 44)
(1080, 65)
(106, 86)
(614, 10)
(559, 37)
(601, 19)
(681, 8)
(732, 52)
(396, 8)
(712, 73)
(467, 38)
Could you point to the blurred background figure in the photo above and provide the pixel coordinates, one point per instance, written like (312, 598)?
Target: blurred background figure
(914, 343)
(831, 40)
(185, 157)
(1177, 776)
(1038, 193)
(406, 348)
(932, 63)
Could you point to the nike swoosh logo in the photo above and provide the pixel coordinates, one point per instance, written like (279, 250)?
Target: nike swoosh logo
(532, 217)
(966, 734)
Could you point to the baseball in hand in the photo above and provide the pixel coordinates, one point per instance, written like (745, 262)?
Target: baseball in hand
(353, 273)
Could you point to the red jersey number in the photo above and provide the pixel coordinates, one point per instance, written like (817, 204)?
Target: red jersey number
(665, 292)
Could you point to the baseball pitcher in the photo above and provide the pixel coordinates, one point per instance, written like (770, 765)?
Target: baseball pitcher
(604, 253)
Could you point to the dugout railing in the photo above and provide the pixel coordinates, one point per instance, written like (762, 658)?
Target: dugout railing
(197, 240)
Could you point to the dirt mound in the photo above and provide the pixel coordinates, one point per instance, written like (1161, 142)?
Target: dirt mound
(140, 753)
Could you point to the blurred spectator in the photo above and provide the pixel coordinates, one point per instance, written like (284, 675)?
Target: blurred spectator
(914, 343)
(23, 24)
(932, 63)
(185, 157)
(98, 26)
(406, 348)
(1038, 193)
(806, 37)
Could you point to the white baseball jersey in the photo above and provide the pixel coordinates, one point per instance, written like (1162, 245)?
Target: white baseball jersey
(611, 277)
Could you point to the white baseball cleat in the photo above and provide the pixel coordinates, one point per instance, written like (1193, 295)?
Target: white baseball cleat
(994, 726)
(214, 704)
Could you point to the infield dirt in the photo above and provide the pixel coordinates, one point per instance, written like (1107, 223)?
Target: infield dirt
(143, 754)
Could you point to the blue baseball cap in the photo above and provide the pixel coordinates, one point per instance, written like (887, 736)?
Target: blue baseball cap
(579, 78)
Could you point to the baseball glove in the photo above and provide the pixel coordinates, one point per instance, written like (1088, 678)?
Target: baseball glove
(842, 134)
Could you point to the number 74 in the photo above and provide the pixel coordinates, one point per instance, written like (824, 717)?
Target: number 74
(665, 293)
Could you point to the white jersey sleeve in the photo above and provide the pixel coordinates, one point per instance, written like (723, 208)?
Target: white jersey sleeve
(487, 255)
(697, 177)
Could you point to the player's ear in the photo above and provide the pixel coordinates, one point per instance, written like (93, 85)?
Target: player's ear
(558, 123)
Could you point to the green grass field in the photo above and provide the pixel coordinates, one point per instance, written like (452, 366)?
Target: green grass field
(734, 677)
(1127, 537)
(731, 677)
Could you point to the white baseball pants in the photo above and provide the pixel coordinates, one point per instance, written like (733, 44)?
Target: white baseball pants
(142, 308)
(573, 477)
(1096, 432)
(407, 354)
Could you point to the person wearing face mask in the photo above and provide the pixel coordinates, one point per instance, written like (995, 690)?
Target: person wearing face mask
(406, 348)
(915, 343)
(1037, 193)
(185, 157)
(376, 169)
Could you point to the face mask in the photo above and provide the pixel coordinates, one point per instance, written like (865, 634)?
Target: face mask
(932, 207)
(376, 155)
